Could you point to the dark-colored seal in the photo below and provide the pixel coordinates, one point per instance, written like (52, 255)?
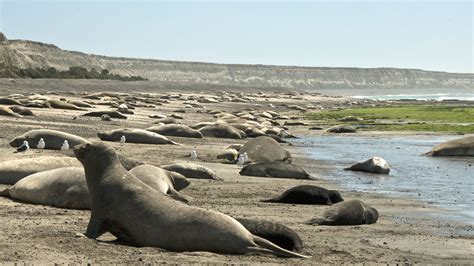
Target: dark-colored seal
(307, 194)
(351, 212)
(176, 131)
(142, 216)
(222, 131)
(275, 169)
(112, 114)
(265, 149)
(21, 110)
(53, 139)
(277, 233)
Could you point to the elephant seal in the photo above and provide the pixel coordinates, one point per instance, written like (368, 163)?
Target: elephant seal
(22, 110)
(66, 187)
(457, 147)
(276, 233)
(54, 139)
(80, 104)
(264, 149)
(176, 131)
(307, 194)
(275, 169)
(12, 171)
(137, 214)
(351, 212)
(8, 101)
(192, 170)
(376, 165)
(112, 114)
(6, 111)
(160, 180)
(63, 105)
(230, 155)
(341, 129)
(222, 131)
(166, 120)
(134, 135)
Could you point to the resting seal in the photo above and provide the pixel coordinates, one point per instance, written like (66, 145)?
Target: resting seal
(134, 135)
(275, 169)
(351, 212)
(222, 131)
(137, 214)
(176, 131)
(192, 170)
(264, 149)
(457, 147)
(374, 165)
(308, 194)
(53, 139)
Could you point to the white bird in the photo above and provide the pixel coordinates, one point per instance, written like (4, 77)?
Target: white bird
(241, 160)
(122, 139)
(246, 157)
(41, 144)
(65, 145)
(194, 155)
(24, 147)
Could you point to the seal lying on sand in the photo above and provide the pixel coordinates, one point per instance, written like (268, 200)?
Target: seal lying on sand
(112, 114)
(277, 233)
(275, 169)
(176, 131)
(308, 194)
(6, 111)
(12, 171)
(351, 212)
(222, 131)
(457, 147)
(264, 149)
(66, 187)
(134, 135)
(192, 170)
(53, 139)
(374, 165)
(137, 214)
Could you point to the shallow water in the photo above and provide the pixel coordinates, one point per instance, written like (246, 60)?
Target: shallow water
(420, 97)
(446, 182)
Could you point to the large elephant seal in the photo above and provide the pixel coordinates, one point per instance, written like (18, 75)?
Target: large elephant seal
(376, 165)
(63, 105)
(176, 131)
(160, 180)
(134, 135)
(307, 194)
(192, 170)
(222, 131)
(264, 149)
(136, 213)
(277, 233)
(275, 169)
(457, 147)
(12, 171)
(66, 187)
(53, 139)
(112, 114)
(351, 212)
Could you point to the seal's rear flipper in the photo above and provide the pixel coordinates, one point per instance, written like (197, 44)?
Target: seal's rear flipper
(5, 193)
(178, 196)
(269, 200)
(316, 221)
(265, 246)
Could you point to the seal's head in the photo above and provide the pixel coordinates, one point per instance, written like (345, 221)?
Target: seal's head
(371, 216)
(94, 151)
(16, 142)
(335, 197)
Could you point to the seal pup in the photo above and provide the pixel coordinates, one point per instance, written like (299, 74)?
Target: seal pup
(137, 214)
(307, 194)
(351, 212)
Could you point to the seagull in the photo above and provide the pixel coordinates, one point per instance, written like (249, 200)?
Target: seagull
(241, 160)
(246, 157)
(65, 145)
(24, 147)
(122, 139)
(41, 144)
(194, 155)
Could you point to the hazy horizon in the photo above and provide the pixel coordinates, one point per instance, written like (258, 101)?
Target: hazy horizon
(433, 36)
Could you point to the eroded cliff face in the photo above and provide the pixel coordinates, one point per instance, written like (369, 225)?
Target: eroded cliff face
(26, 54)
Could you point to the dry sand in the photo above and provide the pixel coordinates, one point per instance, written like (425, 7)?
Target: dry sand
(407, 231)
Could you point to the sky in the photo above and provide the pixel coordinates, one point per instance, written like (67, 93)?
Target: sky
(436, 35)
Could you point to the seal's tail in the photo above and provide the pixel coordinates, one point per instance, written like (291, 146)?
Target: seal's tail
(5, 193)
(316, 221)
(266, 246)
(269, 200)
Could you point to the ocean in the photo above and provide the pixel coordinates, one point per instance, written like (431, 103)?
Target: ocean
(445, 182)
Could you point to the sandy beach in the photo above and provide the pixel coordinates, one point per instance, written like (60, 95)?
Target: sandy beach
(407, 230)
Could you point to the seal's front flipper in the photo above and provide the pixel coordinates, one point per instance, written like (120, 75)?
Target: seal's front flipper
(95, 228)
(178, 196)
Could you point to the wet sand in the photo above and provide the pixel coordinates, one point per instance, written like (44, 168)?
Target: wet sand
(406, 232)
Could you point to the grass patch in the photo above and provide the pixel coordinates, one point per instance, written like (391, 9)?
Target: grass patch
(404, 118)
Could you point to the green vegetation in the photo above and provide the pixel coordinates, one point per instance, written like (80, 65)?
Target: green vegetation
(52, 73)
(404, 118)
